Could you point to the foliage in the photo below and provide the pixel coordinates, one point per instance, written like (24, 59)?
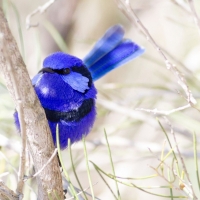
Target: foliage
(145, 140)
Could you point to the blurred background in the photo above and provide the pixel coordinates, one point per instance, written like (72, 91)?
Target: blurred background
(136, 139)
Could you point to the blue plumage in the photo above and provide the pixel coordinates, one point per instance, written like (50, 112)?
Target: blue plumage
(65, 85)
(108, 42)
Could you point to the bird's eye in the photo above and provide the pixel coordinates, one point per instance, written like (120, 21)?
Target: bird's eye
(58, 71)
(66, 71)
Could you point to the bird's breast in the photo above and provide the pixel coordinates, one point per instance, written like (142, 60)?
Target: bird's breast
(74, 115)
(62, 102)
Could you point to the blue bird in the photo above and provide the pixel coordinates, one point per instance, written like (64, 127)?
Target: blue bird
(65, 84)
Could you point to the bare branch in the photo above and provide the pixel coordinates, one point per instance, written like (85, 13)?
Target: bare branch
(182, 6)
(40, 10)
(4, 174)
(6, 159)
(39, 138)
(81, 191)
(194, 13)
(186, 187)
(130, 13)
(6, 193)
(125, 111)
(163, 112)
(181, 158)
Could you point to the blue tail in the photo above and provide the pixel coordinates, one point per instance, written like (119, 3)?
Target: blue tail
(110, 52)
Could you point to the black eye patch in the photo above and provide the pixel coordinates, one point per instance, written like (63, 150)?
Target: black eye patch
(84, 72)
(47, 69)
(58, 71)
(81, 70)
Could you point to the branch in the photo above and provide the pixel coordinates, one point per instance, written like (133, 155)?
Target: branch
(6, 193)
(126, 8)
(39, 138)
(194, 13)
(163, 112)
(182, 161)
(19, 108)
(182, 6)
(40, 9)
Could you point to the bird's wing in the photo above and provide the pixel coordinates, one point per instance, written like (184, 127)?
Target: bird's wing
(110, 52)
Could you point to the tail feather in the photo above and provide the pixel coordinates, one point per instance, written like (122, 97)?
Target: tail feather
(108, 42)
(110, 52)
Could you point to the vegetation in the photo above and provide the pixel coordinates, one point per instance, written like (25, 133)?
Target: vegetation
(145, 142)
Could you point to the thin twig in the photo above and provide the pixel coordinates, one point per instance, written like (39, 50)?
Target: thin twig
(130, 13)
(179, 63)
(110, 105)
(194, 13)
(162, 162)
(84, 191)
(107, 184)
(162, 176)
(4, 174)
(11, 70)
(163, 112)
(40, 10)
(133, 185)
(183, 7)
(181, 158)
(38, 172)
(186, 189)
(7, 160)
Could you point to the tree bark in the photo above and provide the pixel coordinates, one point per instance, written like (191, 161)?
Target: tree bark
(39, 138)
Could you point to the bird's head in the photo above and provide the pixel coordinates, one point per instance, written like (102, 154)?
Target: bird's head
(70, 68)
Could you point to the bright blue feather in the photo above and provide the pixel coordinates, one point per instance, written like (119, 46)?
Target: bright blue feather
(36, 78)
(76, 81)
(124, 52)
(61, 60)
(109, 41)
